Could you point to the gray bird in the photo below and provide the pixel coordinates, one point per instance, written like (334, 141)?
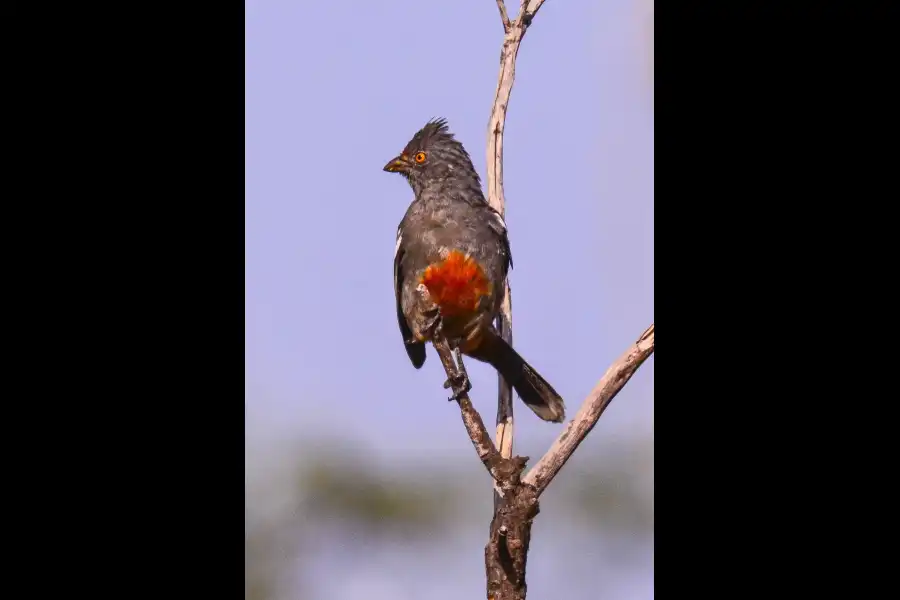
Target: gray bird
(450, 267)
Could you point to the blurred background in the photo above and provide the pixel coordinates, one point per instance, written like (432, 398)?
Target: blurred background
(360, 480)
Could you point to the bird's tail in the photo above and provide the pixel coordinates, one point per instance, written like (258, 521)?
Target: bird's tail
(528, 383)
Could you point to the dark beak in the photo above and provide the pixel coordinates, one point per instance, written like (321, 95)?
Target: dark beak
(397, 165)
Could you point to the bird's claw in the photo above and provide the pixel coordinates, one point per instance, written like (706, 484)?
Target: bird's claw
(460, 386)
(433, 325)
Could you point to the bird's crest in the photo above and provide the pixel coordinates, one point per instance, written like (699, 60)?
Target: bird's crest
(435, 128)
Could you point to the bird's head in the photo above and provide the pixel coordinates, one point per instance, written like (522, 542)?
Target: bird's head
(432, 154)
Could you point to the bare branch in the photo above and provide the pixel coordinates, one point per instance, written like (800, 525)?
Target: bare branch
(511, 41)
(479, 435)
(609, 385)
(505, 471)
(503, 16)
(530, 8)
(504, 391)
(513, 37)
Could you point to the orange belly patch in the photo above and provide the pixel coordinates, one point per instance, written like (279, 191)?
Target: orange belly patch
(456, 284)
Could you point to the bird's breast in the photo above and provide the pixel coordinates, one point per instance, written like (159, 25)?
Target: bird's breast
(456, 283)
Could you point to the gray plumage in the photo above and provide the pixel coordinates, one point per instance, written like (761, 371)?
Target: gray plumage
(449, 212)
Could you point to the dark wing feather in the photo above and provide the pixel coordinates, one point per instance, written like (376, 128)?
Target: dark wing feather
(415, 350)
(497, 224)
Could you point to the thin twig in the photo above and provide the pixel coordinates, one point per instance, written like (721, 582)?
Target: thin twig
(609, 385)
(513, 34)
(481, 439)
(511, 40)
(503, 16)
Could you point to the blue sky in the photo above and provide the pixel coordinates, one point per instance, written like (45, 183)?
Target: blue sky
(335, 89)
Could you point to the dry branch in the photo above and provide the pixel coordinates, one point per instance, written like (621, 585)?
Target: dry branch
(606, 389)
(513, 33)
(504, 18)
(506, 553)
(505, 471)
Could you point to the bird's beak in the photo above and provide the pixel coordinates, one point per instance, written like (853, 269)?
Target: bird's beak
(398, 165)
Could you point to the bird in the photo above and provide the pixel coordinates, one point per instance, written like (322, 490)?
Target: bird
(451, 262)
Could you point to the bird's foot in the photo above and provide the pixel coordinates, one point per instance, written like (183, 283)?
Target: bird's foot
(433, 324)
(463, 385)
(457, 378)
(460, 385)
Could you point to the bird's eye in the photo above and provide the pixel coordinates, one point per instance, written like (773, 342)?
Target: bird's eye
(420, 157)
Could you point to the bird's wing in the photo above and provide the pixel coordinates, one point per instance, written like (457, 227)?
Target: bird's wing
(415, 349)
(498, 225)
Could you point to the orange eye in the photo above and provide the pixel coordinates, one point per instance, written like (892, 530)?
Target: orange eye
(420, 157)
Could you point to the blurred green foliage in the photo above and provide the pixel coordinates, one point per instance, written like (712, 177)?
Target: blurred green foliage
(352, 490)
(328, 490)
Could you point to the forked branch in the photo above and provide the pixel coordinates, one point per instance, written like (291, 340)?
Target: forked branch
(506, 553)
